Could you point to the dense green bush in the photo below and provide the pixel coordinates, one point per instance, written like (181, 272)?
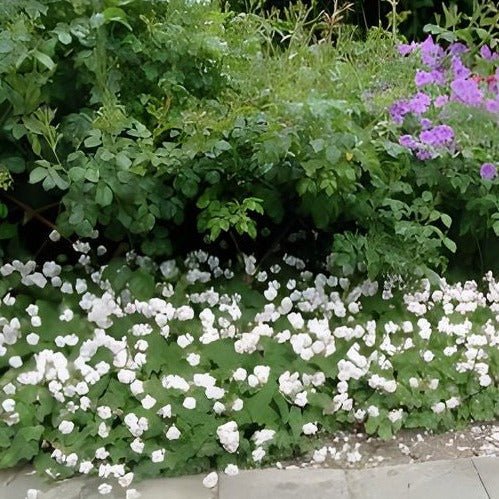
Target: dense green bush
(139, 117)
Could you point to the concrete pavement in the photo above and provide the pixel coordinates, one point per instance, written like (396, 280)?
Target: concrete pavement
(469, 478)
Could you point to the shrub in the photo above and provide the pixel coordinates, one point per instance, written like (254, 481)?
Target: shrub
(153, 121)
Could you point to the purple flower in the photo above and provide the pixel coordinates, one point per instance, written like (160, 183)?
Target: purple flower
(420, 103)
(423, 155)
(457, 48)
(408, 142)
(423, 78)
(488, 171)
(431, 53)
(406, 49)
(492, 105)
(441, 100)
(438, 136)
(398, 110)
(459, 69)
(466, 91)
(425, 123)
(487, 54)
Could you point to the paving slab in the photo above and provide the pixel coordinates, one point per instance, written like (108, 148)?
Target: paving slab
(15, 483)
(452, 479)
(284, 484)
(488, 470)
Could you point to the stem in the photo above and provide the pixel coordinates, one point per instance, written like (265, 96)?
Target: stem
(30, 211)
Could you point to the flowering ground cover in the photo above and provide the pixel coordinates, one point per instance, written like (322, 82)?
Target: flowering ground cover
(135, 369)
(153, 128)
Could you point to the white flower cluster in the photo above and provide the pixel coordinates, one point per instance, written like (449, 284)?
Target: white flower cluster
(179, 358)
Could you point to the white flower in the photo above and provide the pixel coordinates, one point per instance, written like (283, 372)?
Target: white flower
(9, 389)
(320, 455)
(72, 459)
(66, 427)
(485, 380)
(262, 373)
(433, 384)
(54, 236)
(413, 382)
(15, 361)
(165, 411)
(193, 359)
(228, 435)
(270, 293)
(189, 403)
(214, 392)
(137, 446)
(237, 405)
(173, 433)
(210, 480)
(184, 313)
(32, 493)
(126, 479)
(258, 454)
(395, 414)
(101, 453)
(105, 488)
(262, 436)
(81, 388)
(32, 339)
(85, 467)
(373, 411)
(301, 399)
(175, 381)
(137, 387)
(103, 430)
(104, 412)
(452, 403)
(148, 402)
(428, 356)
(204, 380)
(390, 386)
(296, 320)
(158, 456)
(252, 381)
(231, 470)
(184, 340)
(309, 429)
(9, 405)
(438, 408)
(126, 376)
(218, 407)
(286, 306)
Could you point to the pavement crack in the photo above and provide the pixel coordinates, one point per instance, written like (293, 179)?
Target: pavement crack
(480, 477)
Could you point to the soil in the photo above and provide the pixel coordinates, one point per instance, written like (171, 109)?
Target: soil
(356, 451)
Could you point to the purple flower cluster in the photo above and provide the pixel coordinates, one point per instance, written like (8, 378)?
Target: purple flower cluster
(446, 77)
(488, 171)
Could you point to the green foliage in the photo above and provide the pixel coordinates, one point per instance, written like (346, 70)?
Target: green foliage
(146, 116)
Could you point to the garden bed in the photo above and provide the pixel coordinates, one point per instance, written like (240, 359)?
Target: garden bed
(135, 370)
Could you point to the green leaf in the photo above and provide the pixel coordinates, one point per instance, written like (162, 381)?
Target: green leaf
(8, 231)
(115, 14)
(142, 285)
(37, 175)
(446, 220)
(15, 164)
(103, 195)
(44, 59)
(450, 244)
